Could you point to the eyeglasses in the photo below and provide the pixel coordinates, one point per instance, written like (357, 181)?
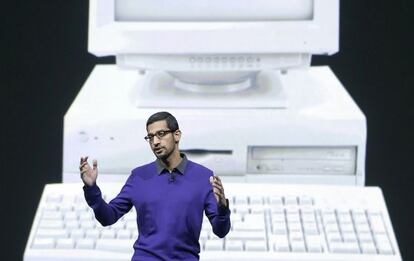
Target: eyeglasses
(160, 134)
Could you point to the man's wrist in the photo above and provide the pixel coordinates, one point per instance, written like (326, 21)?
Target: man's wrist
(224, 203)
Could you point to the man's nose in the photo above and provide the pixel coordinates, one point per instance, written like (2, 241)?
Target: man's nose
(155, 140)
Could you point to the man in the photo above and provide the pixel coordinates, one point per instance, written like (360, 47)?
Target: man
(169, 195)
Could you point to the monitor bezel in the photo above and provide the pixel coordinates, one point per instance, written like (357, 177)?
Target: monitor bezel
(317, 36)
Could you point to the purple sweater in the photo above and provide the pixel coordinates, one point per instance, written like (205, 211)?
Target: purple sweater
(169, 213)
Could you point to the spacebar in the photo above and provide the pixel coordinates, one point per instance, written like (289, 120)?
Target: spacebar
(118, 245)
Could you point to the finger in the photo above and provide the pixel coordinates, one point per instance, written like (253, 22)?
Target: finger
(217, 186)
(95, 164)
(217, 183)
(82, 166)
(83, 172)
(211, 179)
(219, 196)
(217, 189)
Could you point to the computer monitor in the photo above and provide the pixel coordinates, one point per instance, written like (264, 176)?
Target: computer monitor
(214, 27)
(213, 43)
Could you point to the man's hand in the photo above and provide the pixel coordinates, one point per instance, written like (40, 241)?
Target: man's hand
(88, 174)
(218, 191)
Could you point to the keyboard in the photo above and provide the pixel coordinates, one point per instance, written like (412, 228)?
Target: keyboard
(269, 222)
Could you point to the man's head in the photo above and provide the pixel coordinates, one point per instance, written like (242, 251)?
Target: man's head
(163, 134)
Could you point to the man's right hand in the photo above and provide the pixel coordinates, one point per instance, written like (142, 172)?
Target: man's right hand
(88, 174)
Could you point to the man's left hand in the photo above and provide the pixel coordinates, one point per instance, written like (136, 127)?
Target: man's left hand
(218, 191)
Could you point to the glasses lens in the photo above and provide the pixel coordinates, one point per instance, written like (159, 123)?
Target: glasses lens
(161, 134)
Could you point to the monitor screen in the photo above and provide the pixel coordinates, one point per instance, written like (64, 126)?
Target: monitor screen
(212, 10)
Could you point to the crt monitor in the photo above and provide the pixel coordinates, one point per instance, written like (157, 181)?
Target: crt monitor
(213, 27)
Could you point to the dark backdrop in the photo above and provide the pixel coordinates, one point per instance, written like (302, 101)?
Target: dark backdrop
(45, 63)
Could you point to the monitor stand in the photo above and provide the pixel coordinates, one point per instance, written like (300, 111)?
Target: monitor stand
(247, 90)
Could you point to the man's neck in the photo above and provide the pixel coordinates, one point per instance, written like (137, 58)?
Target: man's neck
(173, 160)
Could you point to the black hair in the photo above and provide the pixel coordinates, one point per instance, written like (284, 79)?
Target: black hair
(163, 115)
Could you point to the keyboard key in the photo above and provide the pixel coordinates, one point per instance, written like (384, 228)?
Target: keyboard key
(294, 227)
(256, 200)
(242, 209)
(298, 246)
(275, 200)
(86, 216)
(279, 228)
(384, 248)
(235, 217)
(291, 200)
(344, 247)
(234, 245)
(308, 218)
(117, 245)
(52, 233)
(368, 248)
(250, 235)
(333, 237)
(85, 243)
(255, 245)
(293, 217)
(347, 228)
(332, 228)
(123, 234)
(258, 209)
(282, 246)
(278, 218)
(43, 243)
(377, 225)
(51, 224)
(329, 219)
(305, 201)
(296, 236)
(249, 226)
(92, 233)
(381, 238)
(365, 237)
(310, 229)
(71, 215)
(107, 233)
(362, 228)
(48, 214)
(72, 224)
(88, 224)
(349, 237)
(54, 198)
(65, 243)
(214, 245)
(314, 244)
(77, 233)
(240, 200)
(65, 207)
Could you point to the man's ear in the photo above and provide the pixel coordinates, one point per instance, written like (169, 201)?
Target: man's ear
(177, 136)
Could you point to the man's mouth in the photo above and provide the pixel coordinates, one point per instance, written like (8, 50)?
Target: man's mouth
(158, 150)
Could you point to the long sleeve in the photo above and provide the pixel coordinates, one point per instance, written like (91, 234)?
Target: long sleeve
(108, 213)
(219, 217)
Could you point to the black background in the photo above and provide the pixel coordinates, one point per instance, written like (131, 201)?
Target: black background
(45, 63)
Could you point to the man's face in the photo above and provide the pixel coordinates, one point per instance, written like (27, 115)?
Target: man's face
(162, 147)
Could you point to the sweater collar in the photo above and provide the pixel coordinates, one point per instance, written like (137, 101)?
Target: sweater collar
(181, 166)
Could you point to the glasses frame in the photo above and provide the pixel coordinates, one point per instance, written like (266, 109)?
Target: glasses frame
(149, 138)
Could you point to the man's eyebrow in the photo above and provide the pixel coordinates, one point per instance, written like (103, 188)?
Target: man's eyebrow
(154, 132)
